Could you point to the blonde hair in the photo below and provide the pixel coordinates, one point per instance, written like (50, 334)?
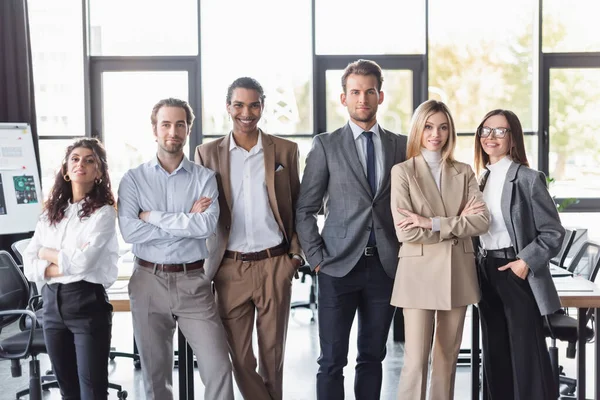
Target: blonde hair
(417, 126)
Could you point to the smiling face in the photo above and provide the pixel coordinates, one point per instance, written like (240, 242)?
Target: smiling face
(171, 129)
(245, 110)
(435, 132)
(362, 99)
(82, 166)
(496, 148)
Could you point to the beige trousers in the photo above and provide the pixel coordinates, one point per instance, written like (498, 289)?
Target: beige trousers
(419, 328)
(262, 290)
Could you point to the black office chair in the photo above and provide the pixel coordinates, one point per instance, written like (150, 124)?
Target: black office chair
(14, 299)
(561, 326)
(560, 259)
(311, 304)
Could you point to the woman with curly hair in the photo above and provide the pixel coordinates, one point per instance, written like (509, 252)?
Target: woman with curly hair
(74, 251)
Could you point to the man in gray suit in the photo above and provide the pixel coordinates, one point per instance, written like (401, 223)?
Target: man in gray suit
(348, 174)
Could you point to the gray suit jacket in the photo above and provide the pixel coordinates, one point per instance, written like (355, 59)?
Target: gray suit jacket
(335, 180)
(534, 228)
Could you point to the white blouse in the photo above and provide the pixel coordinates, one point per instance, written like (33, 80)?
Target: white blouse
(88, 248)
(497, 236)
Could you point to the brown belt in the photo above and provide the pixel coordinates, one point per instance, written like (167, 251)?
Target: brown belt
(171, 267)
(278, 250)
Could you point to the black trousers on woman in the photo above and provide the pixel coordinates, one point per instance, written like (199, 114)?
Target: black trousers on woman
(515, 356)
(77, 331)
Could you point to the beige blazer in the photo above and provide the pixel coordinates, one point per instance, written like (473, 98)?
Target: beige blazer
(436, 270)
(283, 186)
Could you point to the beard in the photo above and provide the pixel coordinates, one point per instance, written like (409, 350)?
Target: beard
(172, 148)
(364, 116)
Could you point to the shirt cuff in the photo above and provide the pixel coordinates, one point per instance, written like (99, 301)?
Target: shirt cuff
(435, 224)
(154, 217)
(40, 270)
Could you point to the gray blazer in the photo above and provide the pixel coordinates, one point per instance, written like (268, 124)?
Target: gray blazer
(534, 228)
(335, 180)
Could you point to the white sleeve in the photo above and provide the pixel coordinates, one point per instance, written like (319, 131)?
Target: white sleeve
(100, 247)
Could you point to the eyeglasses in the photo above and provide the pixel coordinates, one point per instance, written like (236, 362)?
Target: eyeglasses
(486, 131)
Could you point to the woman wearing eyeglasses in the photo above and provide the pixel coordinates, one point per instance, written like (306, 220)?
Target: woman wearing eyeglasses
(516, 285)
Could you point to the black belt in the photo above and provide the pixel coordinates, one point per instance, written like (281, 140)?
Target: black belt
(370, 251)
(507, 253)
(278, 250)
(171, 267)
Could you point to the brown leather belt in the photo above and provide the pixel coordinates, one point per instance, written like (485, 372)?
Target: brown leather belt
(259, 255)
(185, 267)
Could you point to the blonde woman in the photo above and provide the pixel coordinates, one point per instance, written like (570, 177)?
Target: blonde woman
(437, 207)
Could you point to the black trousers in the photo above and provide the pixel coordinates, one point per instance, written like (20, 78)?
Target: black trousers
(77, 332)
(368, 290)
(515, 356)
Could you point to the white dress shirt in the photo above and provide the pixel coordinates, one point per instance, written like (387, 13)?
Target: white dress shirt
(361, 148)
(87, 249)
(497, 236)
(253, 225)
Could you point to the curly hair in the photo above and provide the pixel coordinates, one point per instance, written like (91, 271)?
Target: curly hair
(62, 192)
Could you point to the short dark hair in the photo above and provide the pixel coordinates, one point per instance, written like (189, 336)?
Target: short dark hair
(365, 68)
(172, 102)
(516, 144)
(246, 82)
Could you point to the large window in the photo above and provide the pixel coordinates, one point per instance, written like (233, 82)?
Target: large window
(475, 55)
(143, 27)
(274, 51)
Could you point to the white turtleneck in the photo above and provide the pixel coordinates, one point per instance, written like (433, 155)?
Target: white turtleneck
(434, 162)
(497, 236)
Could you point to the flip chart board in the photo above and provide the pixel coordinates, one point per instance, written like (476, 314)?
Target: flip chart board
(20, 189)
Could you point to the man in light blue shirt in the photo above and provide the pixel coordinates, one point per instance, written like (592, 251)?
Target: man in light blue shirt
(167, 208)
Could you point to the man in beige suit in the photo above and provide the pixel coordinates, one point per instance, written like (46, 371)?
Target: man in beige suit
(255, 253)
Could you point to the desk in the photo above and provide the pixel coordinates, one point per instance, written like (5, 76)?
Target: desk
(119, 298)
(574, 292)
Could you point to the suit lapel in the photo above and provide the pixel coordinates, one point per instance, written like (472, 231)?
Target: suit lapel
(349, 148)
(453, 188)
(224, 167)
(269, 156)
(389, 150)
(427, 186)
(507, 199)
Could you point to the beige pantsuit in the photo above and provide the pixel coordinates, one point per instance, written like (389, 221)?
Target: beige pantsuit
(436, 277)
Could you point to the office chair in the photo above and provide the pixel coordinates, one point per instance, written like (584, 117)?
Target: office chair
(16, 299)
(19, 247)
(560, 259)
(311, 304)
(563, 327)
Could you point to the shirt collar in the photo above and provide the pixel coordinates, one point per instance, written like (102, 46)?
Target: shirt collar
(185, 164)
(357, 130)
(257, 147)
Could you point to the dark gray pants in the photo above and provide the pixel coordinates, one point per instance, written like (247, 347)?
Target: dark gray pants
(77, 331)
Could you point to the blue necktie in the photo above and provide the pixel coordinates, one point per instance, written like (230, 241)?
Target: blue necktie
(371, 176)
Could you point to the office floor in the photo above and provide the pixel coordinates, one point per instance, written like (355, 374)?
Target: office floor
(300, 363)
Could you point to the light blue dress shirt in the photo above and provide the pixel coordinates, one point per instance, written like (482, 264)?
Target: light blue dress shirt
(173, 235)
(361, 148)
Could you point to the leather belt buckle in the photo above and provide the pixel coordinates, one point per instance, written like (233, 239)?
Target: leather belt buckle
(370, 251)
(246, 257)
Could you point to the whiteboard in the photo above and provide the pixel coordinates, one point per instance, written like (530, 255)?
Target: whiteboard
(20, 189)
